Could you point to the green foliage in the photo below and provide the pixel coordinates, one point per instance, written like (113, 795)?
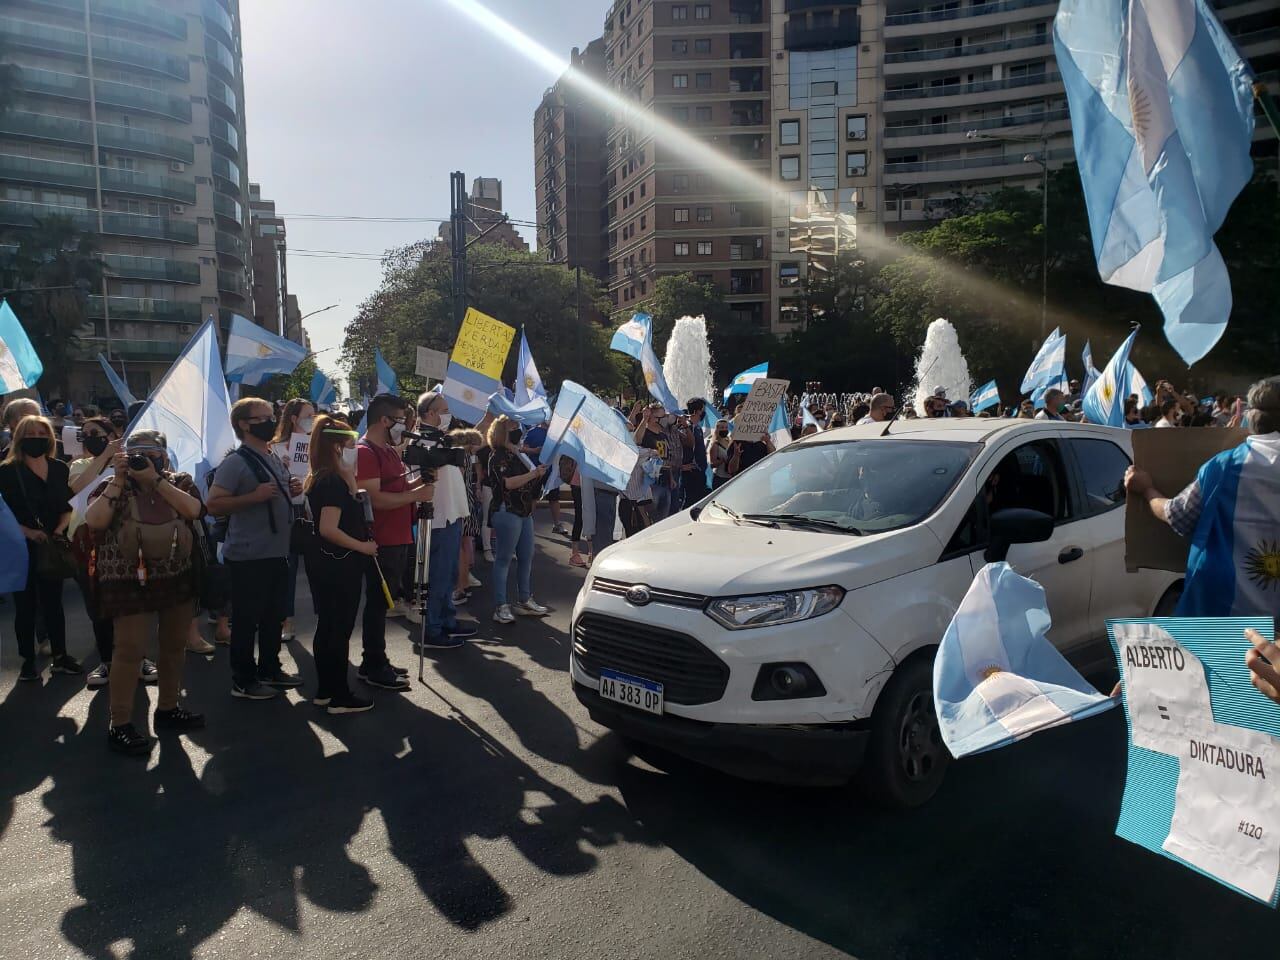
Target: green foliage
(296, 384)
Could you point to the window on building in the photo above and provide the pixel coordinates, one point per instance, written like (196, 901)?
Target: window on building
(788, 132)
(679, 80)
(701, 182)
(702, 114)
(703, 278)
(855, 128)
(680, 12)
(788, 314)
(640, 60)
(824, 88)
(642, 189)
(679, 47)
(704, 214)
(789, 168)
(788, 274)
(680, 114)
(644, 287)
(681, 214)
(702, 11)
(680, 183)
(681, 249)
(704, 248)
(644, 222)
(855, 163)
(702, 45)
(702, 81)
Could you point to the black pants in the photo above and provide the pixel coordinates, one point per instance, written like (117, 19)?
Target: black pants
(257, 611)
(374, 624)
(693, 487)
(632, 516)
(718, 481)
(45, 596)
(577, 516)
(335, 591)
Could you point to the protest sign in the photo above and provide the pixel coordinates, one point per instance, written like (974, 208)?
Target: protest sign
(297, 457)
(72, 445)
(754, 415)
(483, 344)
(432, 364)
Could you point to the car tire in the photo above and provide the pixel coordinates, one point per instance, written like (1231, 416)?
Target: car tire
(906, 759)
(1168, 605)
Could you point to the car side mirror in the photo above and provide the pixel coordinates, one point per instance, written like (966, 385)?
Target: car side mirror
(1016, 525)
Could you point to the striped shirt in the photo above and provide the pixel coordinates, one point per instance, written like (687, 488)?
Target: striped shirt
(1183, 511)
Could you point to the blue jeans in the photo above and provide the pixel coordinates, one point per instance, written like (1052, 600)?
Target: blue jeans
(515, 539)
(606, 507)
(661, 501)
(442, 575)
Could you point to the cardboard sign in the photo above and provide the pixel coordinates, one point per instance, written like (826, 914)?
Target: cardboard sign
(1173, 458)
(296, 456)
(483, 344)
(754, 415)
(432, 364)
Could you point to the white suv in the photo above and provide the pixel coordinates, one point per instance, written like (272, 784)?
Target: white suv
(784, 628)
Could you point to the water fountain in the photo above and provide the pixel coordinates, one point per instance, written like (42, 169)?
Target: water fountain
(941, 364)
(687, 364)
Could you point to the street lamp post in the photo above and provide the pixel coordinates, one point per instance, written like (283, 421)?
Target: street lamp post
(314, 312)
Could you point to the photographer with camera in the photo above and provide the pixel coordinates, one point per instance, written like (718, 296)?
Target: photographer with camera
(381, 473)
(450, 510)
(252, 488)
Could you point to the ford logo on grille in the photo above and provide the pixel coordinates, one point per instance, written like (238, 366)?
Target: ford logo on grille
(638, 595)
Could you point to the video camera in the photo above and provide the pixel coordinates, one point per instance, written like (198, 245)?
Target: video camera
(430, 450)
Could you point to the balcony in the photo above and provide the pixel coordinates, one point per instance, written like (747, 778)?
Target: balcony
(964, 126)
(47, 172)
(846, 33)
(220, 21)
(746, 281)
(153, 228)
(746, 79)
(136, 13)
(17, 213)
(982, 86)
(223, 97)
(231, 246)
(151, 268)
(944, 169)
(145, 308)
(746, 114)
(746, 11)
(971, 50)
(132, 350)
(138, 140)
(746, 46)
(225, 136)
(231, 281)
(228, 171)
(219, 56)
(229, 207)
(38, 126)
(148, 185)
(958, 13)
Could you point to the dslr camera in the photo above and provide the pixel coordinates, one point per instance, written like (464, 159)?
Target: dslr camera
(430, 450)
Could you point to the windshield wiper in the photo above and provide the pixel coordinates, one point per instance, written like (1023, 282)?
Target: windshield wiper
(738, 518)
(804, 520)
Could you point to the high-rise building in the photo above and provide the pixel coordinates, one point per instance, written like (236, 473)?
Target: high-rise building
(568, 144)
(128, 119)
(704, 66)
(485, 215)
(270, 271)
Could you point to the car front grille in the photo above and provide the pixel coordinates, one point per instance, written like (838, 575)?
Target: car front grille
(689, 672)
(670, 598)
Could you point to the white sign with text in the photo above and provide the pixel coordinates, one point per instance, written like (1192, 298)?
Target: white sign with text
(751, 423)
(432, 364)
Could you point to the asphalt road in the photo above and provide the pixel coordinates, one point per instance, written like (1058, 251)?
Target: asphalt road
(484, 815)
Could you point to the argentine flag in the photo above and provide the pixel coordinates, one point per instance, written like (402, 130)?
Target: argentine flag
(1233, 566)
(635, 339)
(1162, 117)
(1091, 373)
(117, 384)
(323, 390)
(996, 677)
(780, 427)
(1104, 403)
(1139, 386)
(20, 368)
(528, 381)
(1049, 365)
(590, 431)
(743, 381)
(387, 381)
(806, 415)
(13, 576)
(985, 396)
(529, 414)
(253, 354)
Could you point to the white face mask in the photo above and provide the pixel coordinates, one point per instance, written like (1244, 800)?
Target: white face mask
(397, 432)
(349, 458)
(445, 420)
(305, 424)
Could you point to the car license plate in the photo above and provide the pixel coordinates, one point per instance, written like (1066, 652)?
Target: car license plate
(631, 691)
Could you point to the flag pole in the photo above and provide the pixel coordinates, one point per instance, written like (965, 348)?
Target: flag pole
(1268, 104)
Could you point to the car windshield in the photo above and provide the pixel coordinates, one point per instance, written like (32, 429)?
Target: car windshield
(854, 487)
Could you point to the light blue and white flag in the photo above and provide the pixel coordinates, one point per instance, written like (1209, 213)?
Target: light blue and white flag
(743, 381)
(387, 381)
(528, 381)
(13, 573)
(1162, 117)
(996, 677)
(780, 426)
(635, 339)
(253, 354)
(20, 368)
(323, 390)
(987, 395)
(192, 409)
(1091, 373)
(1049, 365)
(529, 414)
(1104, 403)
(590, 431)
(121, 388)
(806, 415)
(1139, 386)
(469, 392)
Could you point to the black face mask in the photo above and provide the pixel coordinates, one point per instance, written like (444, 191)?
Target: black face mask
(264, 431)
(722, 433)
(95, 445)
(35, 446)
(515, 437)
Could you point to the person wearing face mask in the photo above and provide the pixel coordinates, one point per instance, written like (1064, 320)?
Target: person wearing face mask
(253, 490)
(516, 486)
(299, 417)
(337, 566)
(34, 487)
(657, 432)
(144, 574)
(443, 629)
(719, 455)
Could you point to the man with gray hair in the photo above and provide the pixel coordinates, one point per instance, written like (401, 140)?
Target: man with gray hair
(881, 409)
(1231, 512)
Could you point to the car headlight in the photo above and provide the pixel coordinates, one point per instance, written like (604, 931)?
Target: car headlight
(770, 609)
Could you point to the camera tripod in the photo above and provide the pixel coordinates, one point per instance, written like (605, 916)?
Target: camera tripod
(421, 569)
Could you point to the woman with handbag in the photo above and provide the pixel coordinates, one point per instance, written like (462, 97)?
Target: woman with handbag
(143, 570)
(517, 485)
(299, 416)
(34, 484)
(336, 561)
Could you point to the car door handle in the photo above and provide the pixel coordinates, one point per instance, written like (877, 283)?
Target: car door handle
(1070, 554)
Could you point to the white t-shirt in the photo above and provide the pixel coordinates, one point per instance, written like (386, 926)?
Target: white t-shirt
(450, 498)
(1162, 422)
(867, 419)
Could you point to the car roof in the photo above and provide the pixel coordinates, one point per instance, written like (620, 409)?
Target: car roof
(970, 430)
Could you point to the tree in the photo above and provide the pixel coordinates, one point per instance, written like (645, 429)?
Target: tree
(49, 276)
(282, 387)
(734, 345)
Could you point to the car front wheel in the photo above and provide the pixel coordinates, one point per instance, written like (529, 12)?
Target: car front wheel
(906, 758)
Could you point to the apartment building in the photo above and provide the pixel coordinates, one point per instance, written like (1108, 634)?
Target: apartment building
(129, 120)
(483, 207)
(270, 268)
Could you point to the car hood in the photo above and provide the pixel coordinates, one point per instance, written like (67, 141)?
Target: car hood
(717, 558)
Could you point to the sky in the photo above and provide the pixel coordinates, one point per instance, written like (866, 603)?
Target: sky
(363, 109)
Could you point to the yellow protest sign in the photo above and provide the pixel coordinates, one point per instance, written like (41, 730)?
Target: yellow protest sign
(483, 344)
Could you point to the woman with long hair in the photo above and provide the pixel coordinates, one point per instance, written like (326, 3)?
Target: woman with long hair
(517, 485)
(336, 566)
(144, 570)
(299, 416)
(471, 441)
(35, 486)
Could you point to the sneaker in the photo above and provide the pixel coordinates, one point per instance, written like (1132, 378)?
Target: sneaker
(386, 678)
(321, 701)
(349, 703)
(179, 718)
(198, 644)
(363, 672)
(400, 671)
(147, 671)
(577, 561)
(473, 581)
(66, 664)
(412, 615)
(461, 630)
(253, 691)
(488, 556)
(127, 740)
(99, 677)
(561, 528)
(28, 671)
(504, 615)
(445, 642)
(43, 649)
(530, 608)
(460, 598)
(280, 680)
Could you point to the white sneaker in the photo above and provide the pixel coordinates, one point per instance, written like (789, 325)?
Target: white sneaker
(412, 615)
(488, 556)
(561, 528)
(473, 582)
(530, 608)
(504, 615)
(147, 671)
